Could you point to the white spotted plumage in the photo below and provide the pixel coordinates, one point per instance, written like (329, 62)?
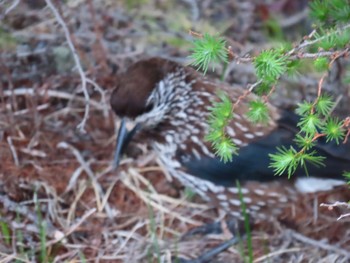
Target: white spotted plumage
(175, 102)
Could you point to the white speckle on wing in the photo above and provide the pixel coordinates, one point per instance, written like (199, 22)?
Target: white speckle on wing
(233, 190)
(182, 114)
(244, 191)
(195, 131)
(195, 139)
(241, 127)
(196, 154)
(215, 188)
(203, 187)
(222, 197)
(259, 192)
(249, 135)
(235, 202)
(237, 117)
(237, 141)
(259, 133)
(255, 207)
(283, 199)
(206, 151)
(224, 205)
(169, 138)
(236, 214)
(274, 194)
(247, 200)
(261, 203)
(230, 131)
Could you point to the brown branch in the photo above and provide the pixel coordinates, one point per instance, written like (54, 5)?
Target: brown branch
(346, 137)
(307, 43)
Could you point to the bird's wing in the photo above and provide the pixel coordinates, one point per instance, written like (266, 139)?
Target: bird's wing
(252, 162)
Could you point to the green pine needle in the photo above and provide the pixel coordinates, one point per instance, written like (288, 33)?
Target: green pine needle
(328, 39)
(333, 130)
(346, 174)
(270, 65)
(216, 122)
(319, 10)
(321, 64)
(309, 124)
(5, 231)
(343, 38)
(223, 108)
(208, 49)
(311, 158)
(329, 13)
(288, 160)
(304, 141)
(214, 135)
(304, 108)
(284, 161)
(340, 10)
(324, 104)
(263, 88)
(293, 66)
(258, 112)
(225, 149)
(220, 115)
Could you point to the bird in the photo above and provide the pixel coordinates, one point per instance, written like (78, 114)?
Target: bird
(170, 104)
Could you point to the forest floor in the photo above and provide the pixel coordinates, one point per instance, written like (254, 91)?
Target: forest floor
(61, 200)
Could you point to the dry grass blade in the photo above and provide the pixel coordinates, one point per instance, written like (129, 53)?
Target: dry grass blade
(72, 228)
(320, 244)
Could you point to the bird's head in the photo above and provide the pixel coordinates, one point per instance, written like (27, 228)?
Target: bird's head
(142, 93)
(132, 96)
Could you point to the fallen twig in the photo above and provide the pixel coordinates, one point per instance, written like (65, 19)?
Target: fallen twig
(81, 125)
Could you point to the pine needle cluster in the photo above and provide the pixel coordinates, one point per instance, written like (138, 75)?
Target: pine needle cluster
(315, 122)
(208, 50)
(323, 46)
(221, 114)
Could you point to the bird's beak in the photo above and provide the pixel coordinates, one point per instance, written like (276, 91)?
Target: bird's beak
(122, 132)
(123, 139)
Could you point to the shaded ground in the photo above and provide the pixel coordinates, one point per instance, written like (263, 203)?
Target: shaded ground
(60, 199)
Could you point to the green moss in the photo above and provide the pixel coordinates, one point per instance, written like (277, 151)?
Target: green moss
(7, 41)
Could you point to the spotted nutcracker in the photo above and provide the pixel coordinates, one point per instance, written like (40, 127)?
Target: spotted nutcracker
(170, 105)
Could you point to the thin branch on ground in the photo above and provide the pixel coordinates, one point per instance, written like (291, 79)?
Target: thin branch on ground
(81, 125)
(13, 151)
(320, 244)
(99, 194)
(338, 204)
(72, 228)
(12, 6)
(52, 93)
